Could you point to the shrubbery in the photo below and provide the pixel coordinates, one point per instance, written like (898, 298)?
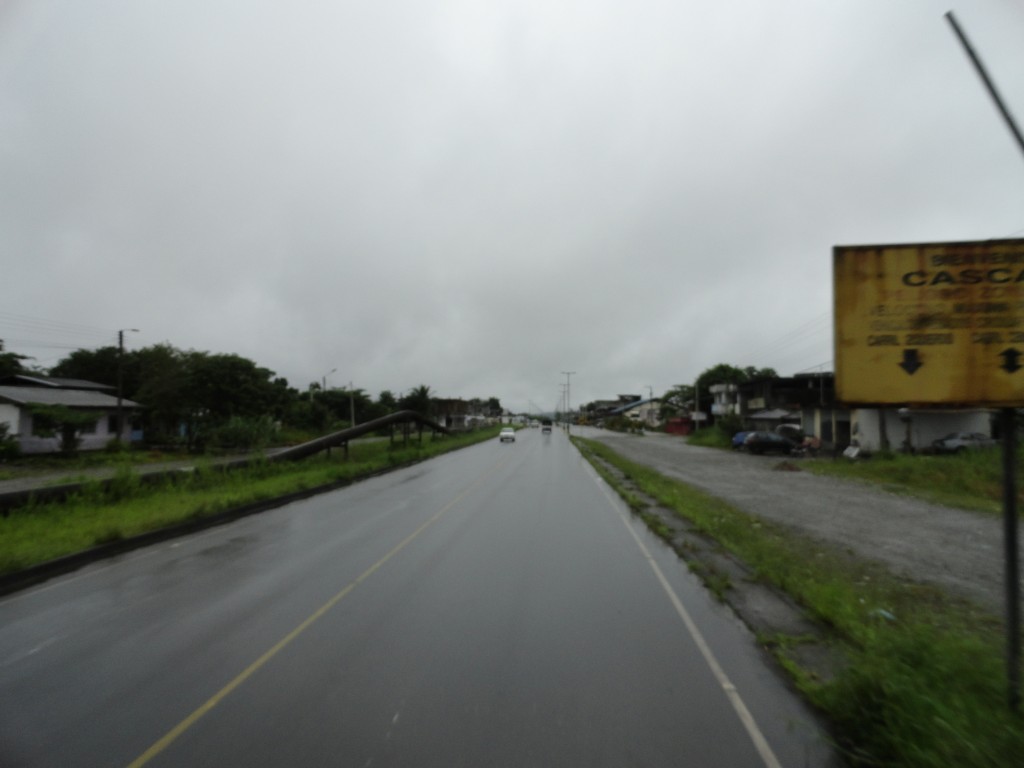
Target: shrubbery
(240, 433)
(9, 448)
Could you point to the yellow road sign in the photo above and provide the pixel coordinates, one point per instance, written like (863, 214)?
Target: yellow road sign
(930, 324)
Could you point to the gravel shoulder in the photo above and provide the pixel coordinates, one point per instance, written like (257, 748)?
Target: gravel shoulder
(957, 550)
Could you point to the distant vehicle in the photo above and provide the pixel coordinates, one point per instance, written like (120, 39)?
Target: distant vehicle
(737, 440)
(958, 442)
(507, 434)
(768, 442)
(545, 426)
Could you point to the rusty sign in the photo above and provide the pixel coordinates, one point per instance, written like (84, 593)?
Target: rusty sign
(930, 324)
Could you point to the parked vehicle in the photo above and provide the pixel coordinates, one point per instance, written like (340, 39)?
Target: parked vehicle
(738, 438)
(958, 442)
(507, 434)
(791, 432)
(768, 442)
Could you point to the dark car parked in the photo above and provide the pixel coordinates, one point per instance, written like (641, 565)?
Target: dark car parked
(768, 442)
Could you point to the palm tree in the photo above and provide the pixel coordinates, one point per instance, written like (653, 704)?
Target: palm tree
(418, 399)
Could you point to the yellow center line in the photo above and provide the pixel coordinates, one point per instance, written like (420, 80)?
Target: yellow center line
(214, 700)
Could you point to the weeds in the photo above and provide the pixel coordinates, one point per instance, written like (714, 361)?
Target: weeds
(971, 480)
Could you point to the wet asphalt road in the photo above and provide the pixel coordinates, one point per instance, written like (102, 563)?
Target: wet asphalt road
(492, 607)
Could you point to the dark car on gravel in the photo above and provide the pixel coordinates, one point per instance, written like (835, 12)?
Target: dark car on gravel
(768, 442)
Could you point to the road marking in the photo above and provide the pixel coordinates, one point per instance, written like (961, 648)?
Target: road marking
(740, 707)
(249, 671)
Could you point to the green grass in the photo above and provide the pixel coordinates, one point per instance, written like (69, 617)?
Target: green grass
(710, 437)
(971, 480)
(42, 532)
(925, 682)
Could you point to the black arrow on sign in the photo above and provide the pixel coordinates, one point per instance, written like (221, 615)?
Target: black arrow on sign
(1010, 357)
(910, 362)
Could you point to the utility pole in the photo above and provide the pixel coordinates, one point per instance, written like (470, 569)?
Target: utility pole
(568, 398)
(351, 405)
(323, 380)
(120, 380)
(1008, 424)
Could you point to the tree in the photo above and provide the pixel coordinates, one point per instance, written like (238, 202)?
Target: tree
(99, 365)
(387, 402)
(417, 399)
(51, 420)
(10, 363)
(9, 447)
(677, 400)
(162, 376)
(723, 373)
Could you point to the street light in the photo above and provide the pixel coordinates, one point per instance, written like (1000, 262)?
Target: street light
(120, 379)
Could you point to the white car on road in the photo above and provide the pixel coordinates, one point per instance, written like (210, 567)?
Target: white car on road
(507, 433)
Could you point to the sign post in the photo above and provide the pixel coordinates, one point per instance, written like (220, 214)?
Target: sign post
(940, 324)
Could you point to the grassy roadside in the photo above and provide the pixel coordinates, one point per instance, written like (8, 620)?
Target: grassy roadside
(924, 684)
(38, 533)
(971, 480)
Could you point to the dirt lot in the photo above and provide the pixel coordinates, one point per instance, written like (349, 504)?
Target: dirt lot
(960, 551)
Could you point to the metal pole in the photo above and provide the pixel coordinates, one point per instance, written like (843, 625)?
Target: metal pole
(568, 399)
(323, 380)
(1012, 554)
(985, 79)
(120, 379)
(1009, 426)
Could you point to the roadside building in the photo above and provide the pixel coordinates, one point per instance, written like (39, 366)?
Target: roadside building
(28, 404)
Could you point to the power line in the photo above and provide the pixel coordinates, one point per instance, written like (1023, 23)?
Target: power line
(806, 331)
(43, 324)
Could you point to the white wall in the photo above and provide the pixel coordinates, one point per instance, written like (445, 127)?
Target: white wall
(10, 415)
(925, 426)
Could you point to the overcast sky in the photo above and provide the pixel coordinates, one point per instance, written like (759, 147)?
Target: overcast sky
(479, 195)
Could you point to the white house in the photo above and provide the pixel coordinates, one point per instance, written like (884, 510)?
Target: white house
(19, 394)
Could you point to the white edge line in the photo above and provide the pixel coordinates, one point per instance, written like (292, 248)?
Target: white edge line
(747, 719)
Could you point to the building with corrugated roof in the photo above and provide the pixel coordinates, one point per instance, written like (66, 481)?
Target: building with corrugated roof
(25, 398)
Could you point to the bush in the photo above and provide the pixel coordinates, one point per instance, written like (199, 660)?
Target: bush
(729, 424)
(9, 448)
(242, 434)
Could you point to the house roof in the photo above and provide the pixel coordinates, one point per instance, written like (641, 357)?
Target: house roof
(25, 380)
(72, 398)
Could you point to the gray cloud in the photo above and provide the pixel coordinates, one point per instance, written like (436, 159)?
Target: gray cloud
(480, 196)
